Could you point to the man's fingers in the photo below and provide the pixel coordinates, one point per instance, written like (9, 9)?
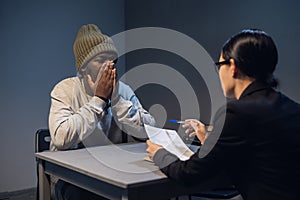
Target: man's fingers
(111, 64)
(105, 76)
(90, 80)
(114, 77)
(111, 74)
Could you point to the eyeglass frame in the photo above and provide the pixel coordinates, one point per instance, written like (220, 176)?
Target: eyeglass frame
(219, 64)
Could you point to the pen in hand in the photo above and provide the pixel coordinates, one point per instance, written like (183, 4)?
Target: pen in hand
(209, 128)
(185, 138)
(190, 140)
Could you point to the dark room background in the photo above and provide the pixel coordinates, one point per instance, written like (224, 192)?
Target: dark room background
(36, 51)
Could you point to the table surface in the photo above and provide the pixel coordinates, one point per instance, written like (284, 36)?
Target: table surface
(120, 165)
(113, 171)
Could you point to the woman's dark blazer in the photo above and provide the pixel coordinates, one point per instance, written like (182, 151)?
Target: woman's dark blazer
(258, 147)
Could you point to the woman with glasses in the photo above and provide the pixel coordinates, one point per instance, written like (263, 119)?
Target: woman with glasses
(259, 143)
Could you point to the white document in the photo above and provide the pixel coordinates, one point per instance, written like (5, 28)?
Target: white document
(170, 140)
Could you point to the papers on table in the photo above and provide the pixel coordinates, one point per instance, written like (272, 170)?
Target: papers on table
(170, 140)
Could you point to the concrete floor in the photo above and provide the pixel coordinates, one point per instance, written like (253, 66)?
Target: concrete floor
(27, 194)
(30, 194)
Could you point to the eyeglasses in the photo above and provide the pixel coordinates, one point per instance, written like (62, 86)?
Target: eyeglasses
(219, 64)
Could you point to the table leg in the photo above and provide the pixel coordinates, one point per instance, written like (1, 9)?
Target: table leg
(125, 195)
(44, 182)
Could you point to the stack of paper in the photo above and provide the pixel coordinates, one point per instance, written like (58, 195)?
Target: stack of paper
(170, 140)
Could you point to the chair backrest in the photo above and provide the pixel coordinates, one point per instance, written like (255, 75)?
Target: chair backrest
(42, 140)
(42, 143)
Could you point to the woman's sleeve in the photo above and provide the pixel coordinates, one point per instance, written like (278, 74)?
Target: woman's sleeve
(199, 168)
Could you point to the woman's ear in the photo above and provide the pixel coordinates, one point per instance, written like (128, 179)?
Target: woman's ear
(234, 68)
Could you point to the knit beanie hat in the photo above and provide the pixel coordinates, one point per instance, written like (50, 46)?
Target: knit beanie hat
(89, 43)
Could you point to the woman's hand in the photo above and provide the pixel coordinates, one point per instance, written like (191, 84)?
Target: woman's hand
(152, 148)
(195, 127)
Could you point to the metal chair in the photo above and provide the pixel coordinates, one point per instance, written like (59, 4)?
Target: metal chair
(42, 140)
(42, 143)
(226, 193)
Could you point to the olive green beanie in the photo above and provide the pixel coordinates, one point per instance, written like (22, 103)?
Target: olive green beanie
(90, 42)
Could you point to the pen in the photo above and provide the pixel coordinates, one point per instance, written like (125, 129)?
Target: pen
(176, 121)
(209, 128)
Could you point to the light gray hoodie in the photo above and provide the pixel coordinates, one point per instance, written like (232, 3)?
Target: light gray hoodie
(75, 117)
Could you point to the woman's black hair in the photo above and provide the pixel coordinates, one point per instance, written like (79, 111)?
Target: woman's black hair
(254, 53)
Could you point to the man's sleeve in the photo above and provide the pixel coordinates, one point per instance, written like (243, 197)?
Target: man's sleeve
(129, 113)
(67, 126)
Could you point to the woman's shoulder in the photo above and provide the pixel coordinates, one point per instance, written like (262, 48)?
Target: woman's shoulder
(246, 106)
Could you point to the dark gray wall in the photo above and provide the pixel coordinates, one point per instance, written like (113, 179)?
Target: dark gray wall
(36, 40)
(36, 52)
(211, 23)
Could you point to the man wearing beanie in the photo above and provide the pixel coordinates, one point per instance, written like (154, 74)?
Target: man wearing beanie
(93, 108)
